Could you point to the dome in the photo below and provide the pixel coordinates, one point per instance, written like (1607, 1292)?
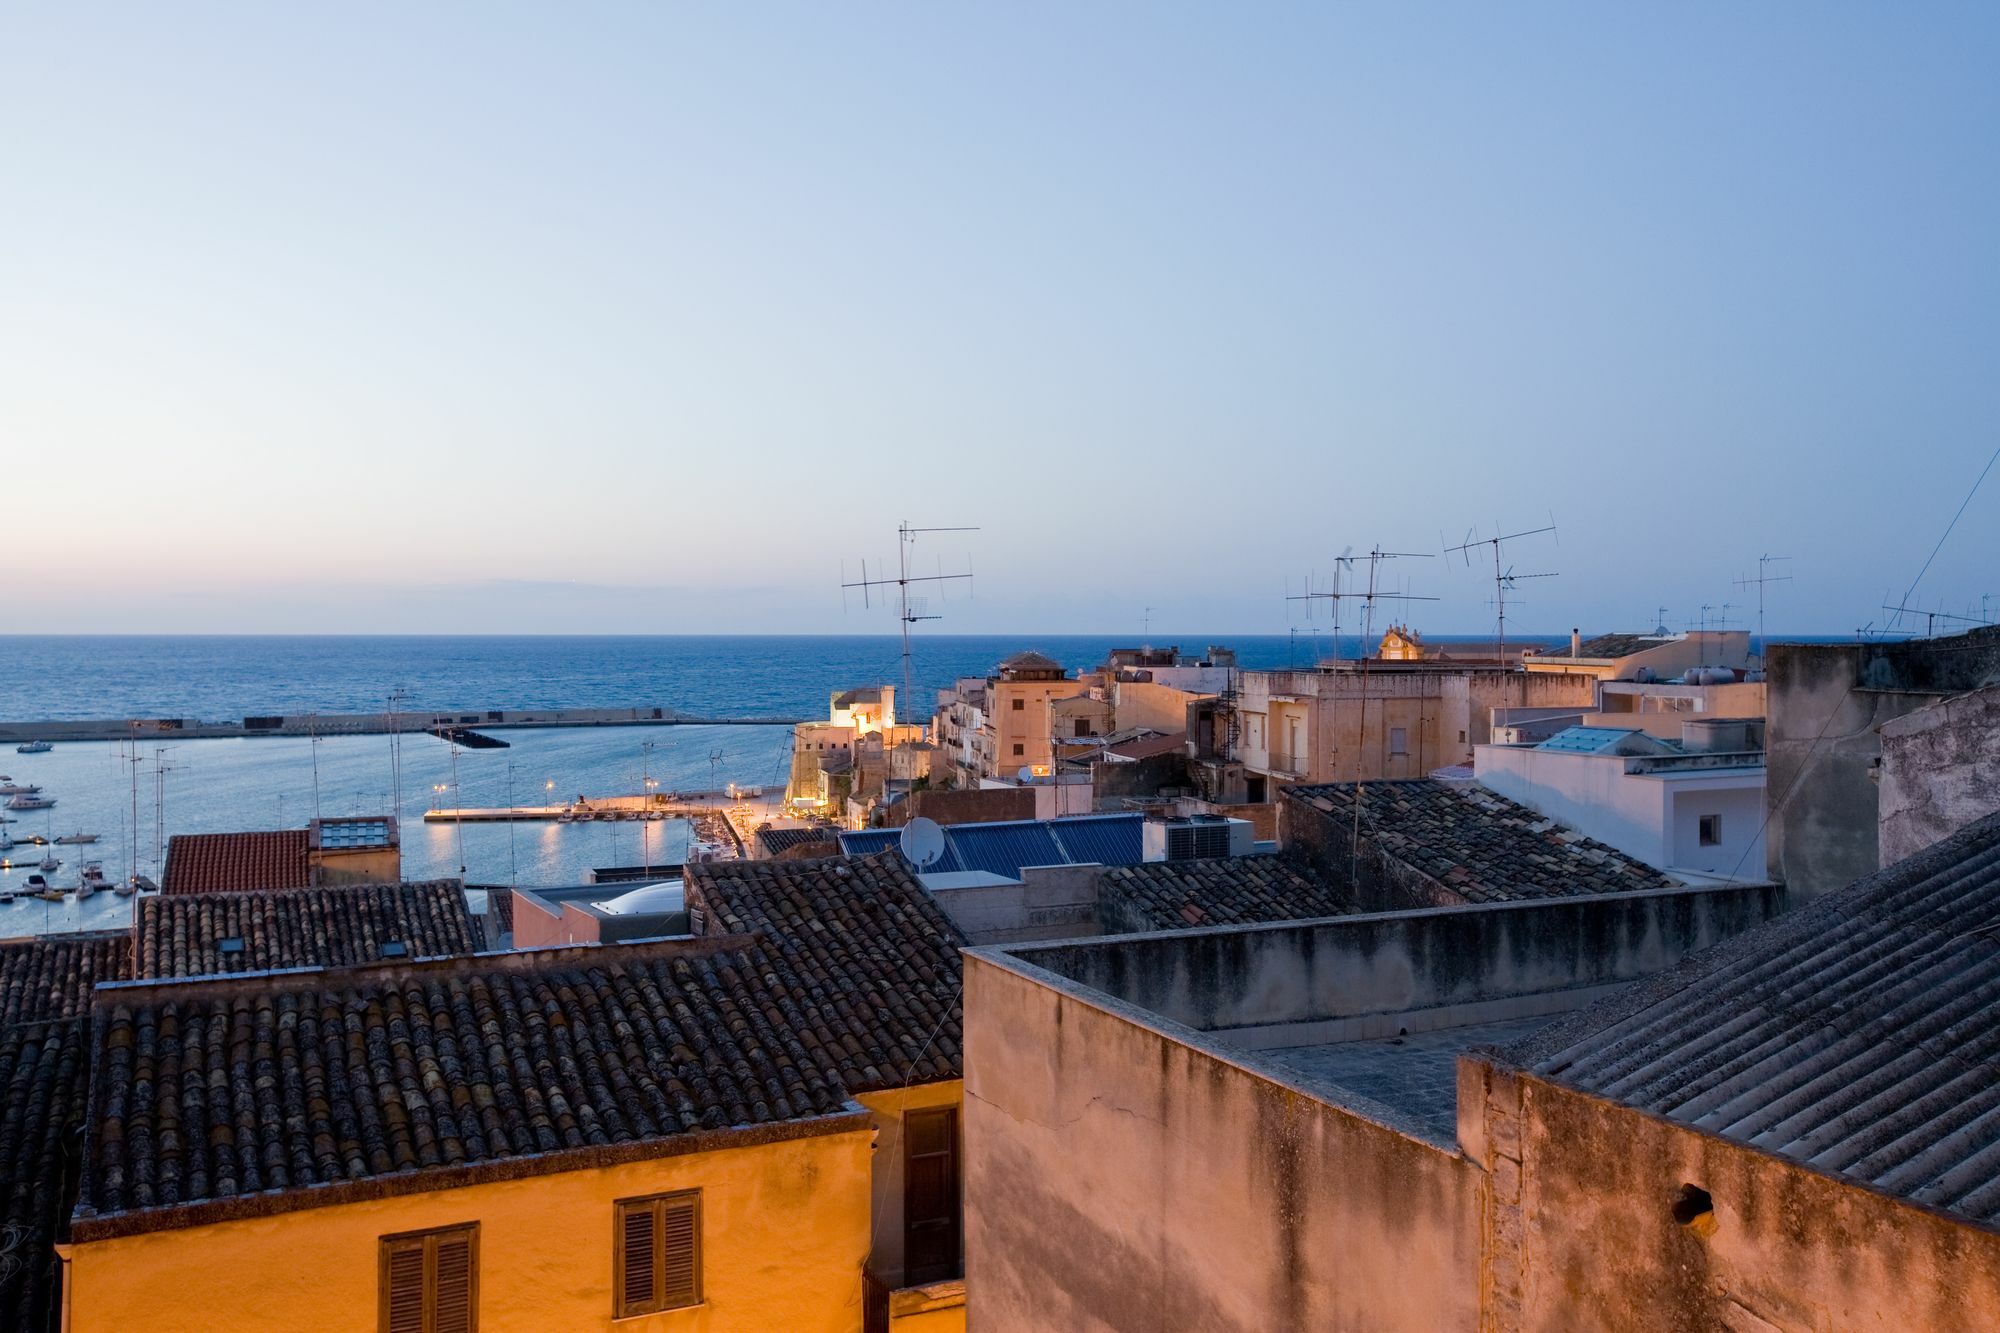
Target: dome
(648, 900)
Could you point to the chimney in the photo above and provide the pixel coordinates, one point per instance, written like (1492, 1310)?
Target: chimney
(1575, 642)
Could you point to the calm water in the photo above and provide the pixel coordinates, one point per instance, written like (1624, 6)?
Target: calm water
(223, 785)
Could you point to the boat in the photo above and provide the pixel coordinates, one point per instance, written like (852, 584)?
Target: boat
(30, 801)
(93, 879)
(9, 787)
(77, 839)
(34, 747)
(125, 888)
(50, 865)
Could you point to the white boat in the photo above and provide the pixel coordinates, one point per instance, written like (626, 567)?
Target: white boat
(9, 787)
(93, 879)
(77, 839)
(50, 865)
(30, 801)
(125, 888)
(34, 747)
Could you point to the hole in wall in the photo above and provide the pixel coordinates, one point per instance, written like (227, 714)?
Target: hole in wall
(1694, 1208)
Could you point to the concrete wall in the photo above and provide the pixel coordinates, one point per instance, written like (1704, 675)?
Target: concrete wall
(1050, 903)
(1940, 771)
(1825, 703)
(964, 805)
(1148, 704)
(1581, 1220)
(1111, 783)
(1121, 1175)
(1448, 964)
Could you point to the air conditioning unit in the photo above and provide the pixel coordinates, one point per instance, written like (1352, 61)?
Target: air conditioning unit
(1198, 838)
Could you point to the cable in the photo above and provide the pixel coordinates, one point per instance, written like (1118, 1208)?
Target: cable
(1949, 526)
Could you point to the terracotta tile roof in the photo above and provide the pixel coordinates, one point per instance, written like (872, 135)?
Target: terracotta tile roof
(186, 935)
(1147, 747)
(1213, 891)
(875, 960)
(236, 1090)
(775, 840)
(237, 862)
(50, 977)
(44, 1072)
(1858, 1035)
(1606, 646)
(1482, 847)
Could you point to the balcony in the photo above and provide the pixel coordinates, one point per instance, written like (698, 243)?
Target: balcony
(1290, 765)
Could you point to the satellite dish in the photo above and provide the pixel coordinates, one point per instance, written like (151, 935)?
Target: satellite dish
(922, 842)
(1026, 775)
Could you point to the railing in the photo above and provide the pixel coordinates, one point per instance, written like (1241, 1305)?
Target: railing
(1293, 765)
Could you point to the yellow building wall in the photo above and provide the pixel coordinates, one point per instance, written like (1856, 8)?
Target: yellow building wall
(886, 1109)
(785, 1231)
(1027, 726)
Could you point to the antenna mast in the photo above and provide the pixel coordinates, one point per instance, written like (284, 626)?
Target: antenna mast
(1764, 576)
(906, 613)
(1505, 580)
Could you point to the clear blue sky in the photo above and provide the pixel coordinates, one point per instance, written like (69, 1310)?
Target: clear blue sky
(642, 318)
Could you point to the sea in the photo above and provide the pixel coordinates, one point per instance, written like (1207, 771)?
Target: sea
(205, 786)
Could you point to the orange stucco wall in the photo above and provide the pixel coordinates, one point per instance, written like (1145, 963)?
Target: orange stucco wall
(784, 1232)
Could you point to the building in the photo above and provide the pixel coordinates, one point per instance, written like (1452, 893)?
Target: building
(1792, 1130)
(1356, 721)
(1940, 771)
(211, 934)
(552, 1139)
(1659, 656)
(846, 766)
(994, 729)
(1829, 704)
(1693, 808)
(361, 850)
(878, 964)
(1256, 1127)
(1389, 846)
(602, 913)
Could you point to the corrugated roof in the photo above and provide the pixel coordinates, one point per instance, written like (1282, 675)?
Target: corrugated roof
(1003, 847)
(237, 862)
(1859, 1035)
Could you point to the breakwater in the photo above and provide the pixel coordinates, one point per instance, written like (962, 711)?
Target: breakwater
(365, 724)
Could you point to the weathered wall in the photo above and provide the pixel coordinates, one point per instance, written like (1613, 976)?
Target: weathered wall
(1350, 967)
(1119, 1177)
(1940, 772)
(963, 805)
(1049, 903)
(1582, 1230)
(1151, 704)
(1113, 783)
(785, 1230)
(1371, 881)
(1825, 704)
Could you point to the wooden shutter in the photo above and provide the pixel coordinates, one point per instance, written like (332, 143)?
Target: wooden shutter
(930, 1195)
(658, 1257)
(430, 1281)
(680, 1244)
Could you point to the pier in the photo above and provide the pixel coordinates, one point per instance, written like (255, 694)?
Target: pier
(446, 724)
(666, 805)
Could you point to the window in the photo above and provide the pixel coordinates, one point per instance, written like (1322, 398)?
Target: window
(1084, 729)
(930, 1195)
(430, 1281)
(1399, 740)
(657, 1254)
(1019, 704)
(1711, 830)
(1019, 748)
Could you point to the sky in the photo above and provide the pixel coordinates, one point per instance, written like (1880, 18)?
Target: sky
(659, 318)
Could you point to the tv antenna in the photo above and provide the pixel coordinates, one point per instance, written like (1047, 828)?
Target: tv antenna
(1931, 618)
(1375, 559)
(1660, 624)
(1333, 597)
(1764, 577)
(1146, 626)
(1505, 578)
(908, 612)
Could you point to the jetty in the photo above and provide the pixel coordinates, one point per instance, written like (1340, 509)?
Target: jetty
(460, 727)
(661, 805)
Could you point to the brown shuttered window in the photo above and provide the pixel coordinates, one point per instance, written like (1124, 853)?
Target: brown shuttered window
(657, 1248)
(430, 1281)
